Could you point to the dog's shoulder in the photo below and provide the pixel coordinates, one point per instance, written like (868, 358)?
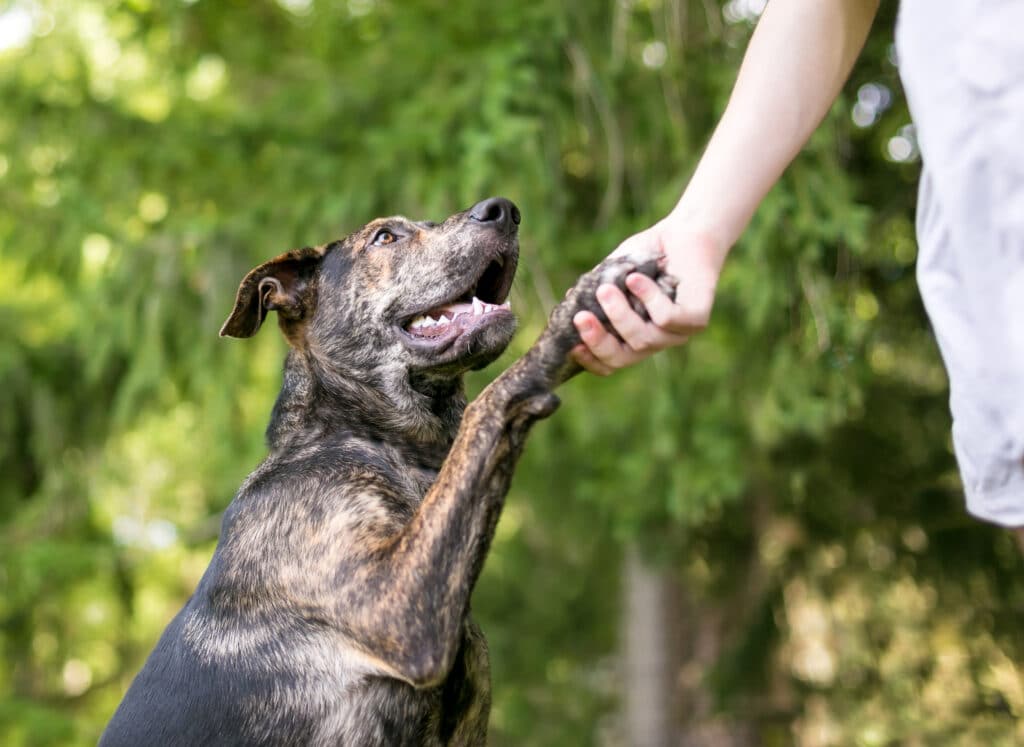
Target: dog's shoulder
(335, 503)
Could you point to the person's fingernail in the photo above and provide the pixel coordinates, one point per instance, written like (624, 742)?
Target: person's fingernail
(636, 282)
(606, 293)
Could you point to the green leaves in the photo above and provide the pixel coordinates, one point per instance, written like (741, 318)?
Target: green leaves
(152, 152)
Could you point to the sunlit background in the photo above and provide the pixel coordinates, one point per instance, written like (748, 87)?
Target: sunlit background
(757, 540)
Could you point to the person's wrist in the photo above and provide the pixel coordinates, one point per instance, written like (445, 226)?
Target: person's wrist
(682, 235)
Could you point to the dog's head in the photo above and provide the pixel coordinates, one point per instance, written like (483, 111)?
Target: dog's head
(430, 298)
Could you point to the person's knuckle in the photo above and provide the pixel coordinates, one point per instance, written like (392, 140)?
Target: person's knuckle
(618, 305)
(696, 315)
(660, 343)
(619, 320)
(600, 350)
(610, 346)
(645, 288)
(646, 341)
(609, 356)
(613, 314)
(665, 316)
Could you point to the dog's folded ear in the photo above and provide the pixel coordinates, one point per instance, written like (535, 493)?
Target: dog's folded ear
(282, 284)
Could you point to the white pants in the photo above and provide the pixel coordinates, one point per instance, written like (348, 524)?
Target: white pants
(962, 65)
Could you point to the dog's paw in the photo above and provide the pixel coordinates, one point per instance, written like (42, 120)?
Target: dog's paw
(613, 271)
(549, 362)
(524, 412)
(537, 406)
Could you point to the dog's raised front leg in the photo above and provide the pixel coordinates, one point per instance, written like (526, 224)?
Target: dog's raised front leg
(425, 577)
(413, 624)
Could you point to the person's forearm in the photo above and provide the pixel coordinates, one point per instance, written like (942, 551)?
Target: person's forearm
(798, 58)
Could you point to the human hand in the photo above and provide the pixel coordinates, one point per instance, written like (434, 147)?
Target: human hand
(694, 259)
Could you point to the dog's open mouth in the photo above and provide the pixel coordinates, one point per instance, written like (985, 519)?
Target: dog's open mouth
(485, 300)
(429, 325)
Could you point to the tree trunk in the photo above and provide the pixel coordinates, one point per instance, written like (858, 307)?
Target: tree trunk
(670, 638)
(650, 653)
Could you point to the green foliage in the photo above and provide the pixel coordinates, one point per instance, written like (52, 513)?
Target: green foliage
(791, 464)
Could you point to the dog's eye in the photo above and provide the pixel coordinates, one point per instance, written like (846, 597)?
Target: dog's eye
(383, 236)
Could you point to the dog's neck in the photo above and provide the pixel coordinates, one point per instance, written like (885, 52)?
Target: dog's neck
(318, 405)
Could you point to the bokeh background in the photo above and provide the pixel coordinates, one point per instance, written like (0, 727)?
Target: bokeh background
(756, 540)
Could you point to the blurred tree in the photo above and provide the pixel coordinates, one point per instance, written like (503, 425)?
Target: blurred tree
(788, 473)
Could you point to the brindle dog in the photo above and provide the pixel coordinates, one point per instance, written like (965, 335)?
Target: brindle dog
(335, 610)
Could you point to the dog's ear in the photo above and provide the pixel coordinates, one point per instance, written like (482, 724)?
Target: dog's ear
(282, 284)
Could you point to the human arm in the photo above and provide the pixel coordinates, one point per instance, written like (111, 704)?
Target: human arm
(798, 58)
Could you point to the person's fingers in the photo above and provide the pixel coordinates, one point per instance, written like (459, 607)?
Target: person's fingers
(667, 321)
(586, 359)
(662, 310)
(632, 328)
(688, 314)
(640, 336)
(602, 344)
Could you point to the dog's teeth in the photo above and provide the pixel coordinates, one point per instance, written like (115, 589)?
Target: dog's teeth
(477, 308)
(425, 321)
(507, 306)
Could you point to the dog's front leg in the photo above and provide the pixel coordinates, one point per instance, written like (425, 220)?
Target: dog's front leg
(427, 573)
(413, 626)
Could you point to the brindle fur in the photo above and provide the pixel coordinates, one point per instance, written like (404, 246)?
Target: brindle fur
(335, 610)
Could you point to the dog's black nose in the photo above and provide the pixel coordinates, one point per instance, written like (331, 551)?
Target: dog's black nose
(497, 210)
